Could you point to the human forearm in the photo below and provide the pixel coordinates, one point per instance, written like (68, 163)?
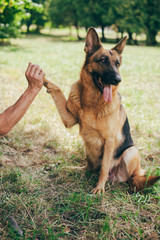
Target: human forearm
(13, 114)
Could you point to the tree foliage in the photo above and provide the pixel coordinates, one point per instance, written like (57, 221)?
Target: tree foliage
(8, 22)
(34, 13)
(66, 13)
(131, 16)
(151, 19)
(14, 13)
(128, 17)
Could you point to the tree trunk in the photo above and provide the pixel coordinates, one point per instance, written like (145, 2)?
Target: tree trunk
(151, 38)
(28, 28)
(28, 23)
(38, 28)
(70, 31)
(103, 35)
(77, 29)
(76, 25)
(117, 38)
(135, 41)
(130, 38)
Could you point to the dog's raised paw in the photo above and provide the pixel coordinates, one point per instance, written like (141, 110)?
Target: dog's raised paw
(48, 91)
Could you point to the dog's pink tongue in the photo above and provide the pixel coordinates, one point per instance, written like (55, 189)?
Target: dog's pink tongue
(107, 93)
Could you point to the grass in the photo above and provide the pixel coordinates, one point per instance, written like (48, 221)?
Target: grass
(48, 200)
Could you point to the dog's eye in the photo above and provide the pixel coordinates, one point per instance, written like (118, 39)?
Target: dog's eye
(117, 64)
(103, 60)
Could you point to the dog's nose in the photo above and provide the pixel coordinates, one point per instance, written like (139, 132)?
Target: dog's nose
(118, 78)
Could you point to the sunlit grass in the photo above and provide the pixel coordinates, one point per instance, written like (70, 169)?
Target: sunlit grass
(48, 200)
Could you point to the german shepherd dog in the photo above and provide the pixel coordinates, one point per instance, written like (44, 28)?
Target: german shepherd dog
(95, 104)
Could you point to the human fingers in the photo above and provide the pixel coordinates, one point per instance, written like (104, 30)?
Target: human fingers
(39, 79)
(41, 75)
(28, 69)
(37, 72)
(32, 70)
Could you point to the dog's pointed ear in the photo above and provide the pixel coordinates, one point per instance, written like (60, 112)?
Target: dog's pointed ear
(120, 45)
(93, 42)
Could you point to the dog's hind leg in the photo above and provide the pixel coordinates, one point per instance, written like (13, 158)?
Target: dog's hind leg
(129, 165)
(136, 175)
(61, 103)
(131, 158)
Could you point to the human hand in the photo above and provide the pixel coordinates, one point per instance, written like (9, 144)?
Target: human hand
(34, 75)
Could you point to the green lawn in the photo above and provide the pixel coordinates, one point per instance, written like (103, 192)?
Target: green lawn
(47, 199)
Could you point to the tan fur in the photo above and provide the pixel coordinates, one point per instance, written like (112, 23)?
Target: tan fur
(100, 123)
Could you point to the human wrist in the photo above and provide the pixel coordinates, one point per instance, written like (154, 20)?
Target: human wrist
(33, 89)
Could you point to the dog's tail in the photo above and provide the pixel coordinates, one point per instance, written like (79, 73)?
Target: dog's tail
(139, 183)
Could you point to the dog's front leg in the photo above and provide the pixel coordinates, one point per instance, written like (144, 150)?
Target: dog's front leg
(104, 172)
(61, 103)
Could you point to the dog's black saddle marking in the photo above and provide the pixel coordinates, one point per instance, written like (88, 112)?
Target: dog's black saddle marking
(128, 142)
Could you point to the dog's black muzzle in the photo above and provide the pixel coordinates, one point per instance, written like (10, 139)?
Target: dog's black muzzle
(112, 78)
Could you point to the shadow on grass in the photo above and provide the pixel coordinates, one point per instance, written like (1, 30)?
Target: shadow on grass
(15, 48)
